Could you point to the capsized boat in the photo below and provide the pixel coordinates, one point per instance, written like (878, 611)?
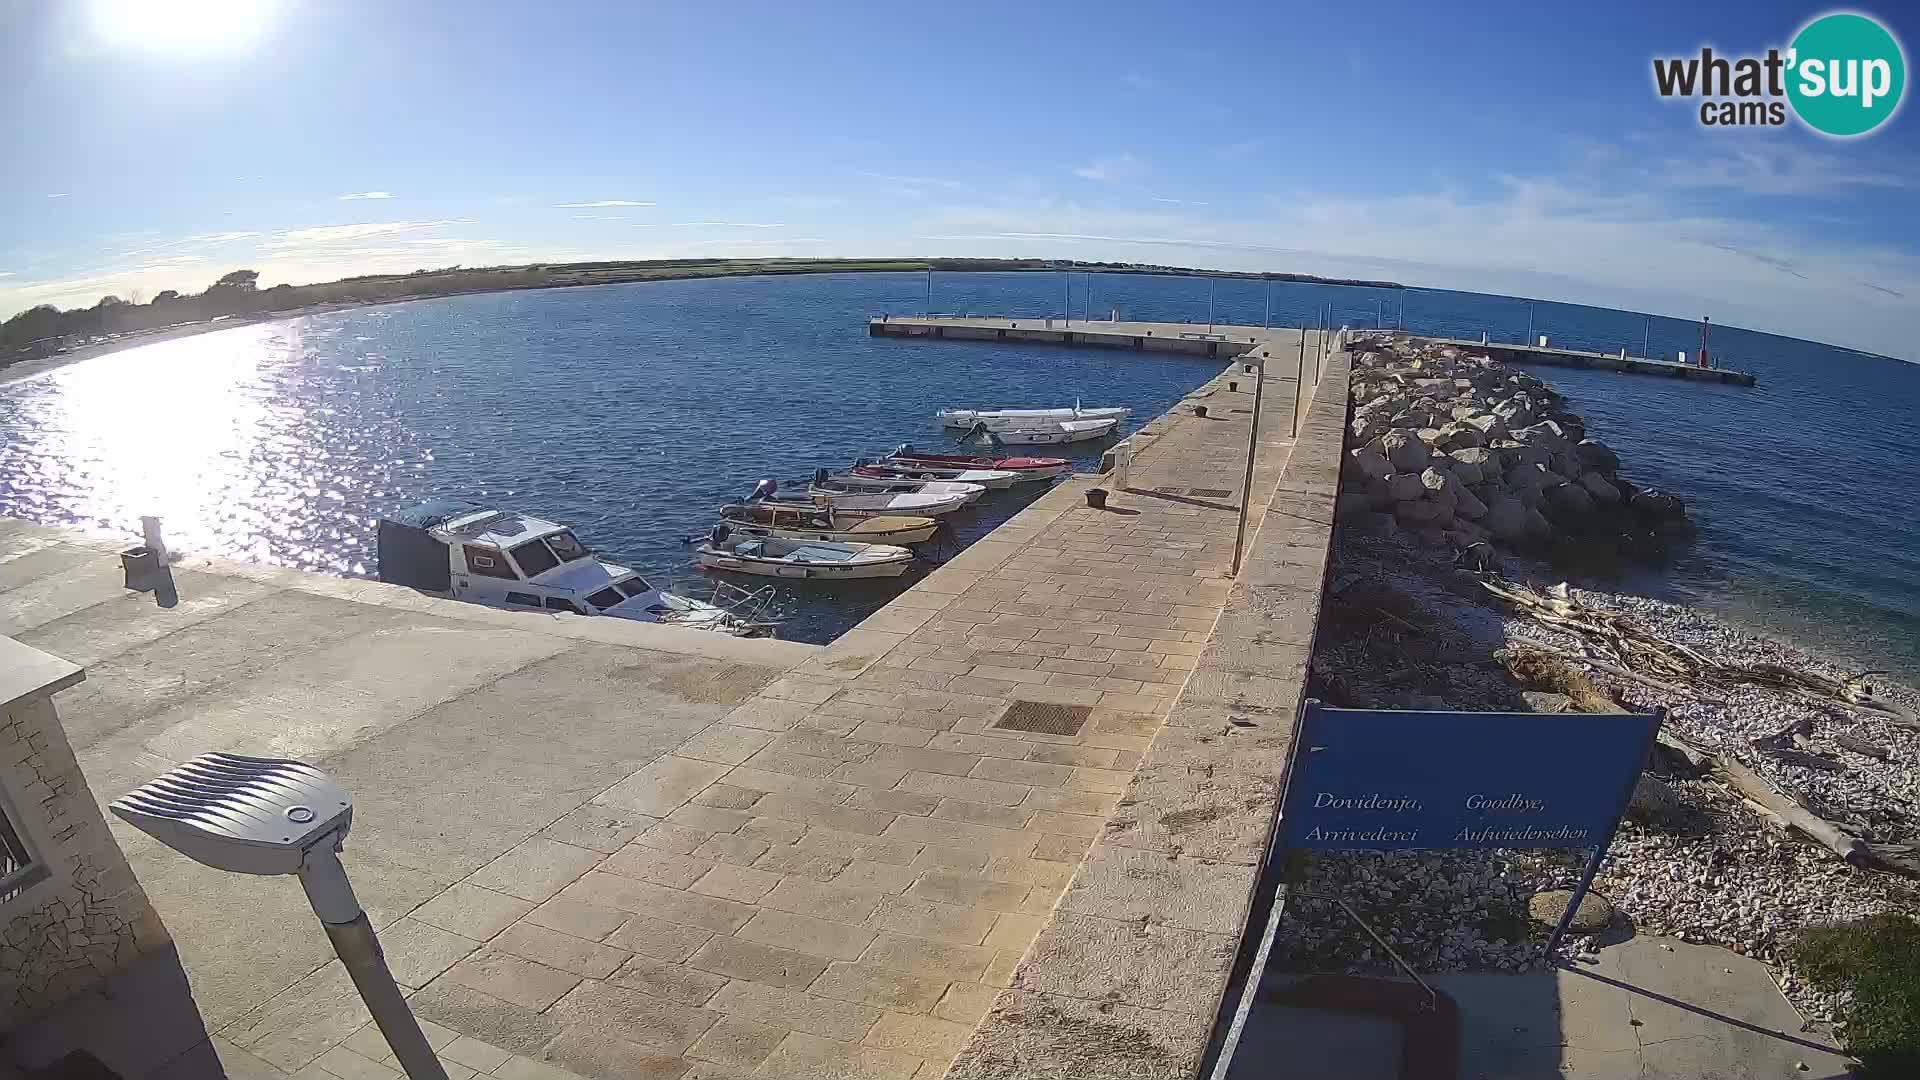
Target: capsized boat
(1023, 467)
(811, 560)
(850, 481)
(1046, 432)
(464, 551)
(812, 523)
(1004, 419)
(864, 504)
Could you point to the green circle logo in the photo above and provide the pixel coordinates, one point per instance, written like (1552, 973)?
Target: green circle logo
(1847, 74)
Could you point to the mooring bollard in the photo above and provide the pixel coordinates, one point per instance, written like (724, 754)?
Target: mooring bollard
(1200, 411)
(1097, 498)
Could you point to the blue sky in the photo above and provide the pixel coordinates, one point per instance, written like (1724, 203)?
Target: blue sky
(1516, 148)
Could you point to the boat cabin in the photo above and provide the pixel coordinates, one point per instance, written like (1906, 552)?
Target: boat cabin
(514, 561)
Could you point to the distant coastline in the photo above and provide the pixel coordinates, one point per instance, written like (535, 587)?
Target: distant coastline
(45, 338)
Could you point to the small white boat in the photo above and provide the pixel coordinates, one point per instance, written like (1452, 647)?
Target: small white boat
(865, 504)
(464, 551)
(992, 479)
(1017, 419)
(848, 482)
(811, 523)
(811, 560)
(1042, 434)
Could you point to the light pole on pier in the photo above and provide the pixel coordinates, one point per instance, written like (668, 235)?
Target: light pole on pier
(1209, 305)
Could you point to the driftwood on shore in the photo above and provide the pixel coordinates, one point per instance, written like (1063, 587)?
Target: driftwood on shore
(1618, 645)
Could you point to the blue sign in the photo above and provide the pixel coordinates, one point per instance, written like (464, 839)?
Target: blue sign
(1373, 779)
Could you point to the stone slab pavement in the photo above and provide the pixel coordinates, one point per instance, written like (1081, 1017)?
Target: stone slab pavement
(1650, 1007)
(657, 857)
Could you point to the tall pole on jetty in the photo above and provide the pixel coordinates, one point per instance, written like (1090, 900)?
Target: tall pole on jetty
(1268, 321)
(1646, 341)
(1209, 305)
(1066, 295)
(1253, 443)
(1529, 341)
(1089, 296)
(929, 290)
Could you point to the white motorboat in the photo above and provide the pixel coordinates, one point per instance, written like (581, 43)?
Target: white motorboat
(860, 480)
(992, 479)
(811, 560)
(812, 523)
(1017, 419)
(865, 504)
(1049, 432)
(464, 551)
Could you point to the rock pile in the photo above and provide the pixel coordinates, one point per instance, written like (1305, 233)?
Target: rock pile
(1461, 450)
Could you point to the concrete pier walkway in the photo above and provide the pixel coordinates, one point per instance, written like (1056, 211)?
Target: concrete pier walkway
(625, 851)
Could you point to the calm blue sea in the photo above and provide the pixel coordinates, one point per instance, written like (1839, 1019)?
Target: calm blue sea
(632, 411)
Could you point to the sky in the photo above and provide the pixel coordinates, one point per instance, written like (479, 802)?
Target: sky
(1513, 148)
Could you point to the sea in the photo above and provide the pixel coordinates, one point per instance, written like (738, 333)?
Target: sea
(633, 412)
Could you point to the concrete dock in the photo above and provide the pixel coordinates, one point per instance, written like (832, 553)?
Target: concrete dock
(613, 850)
(1227, 340)
(1508, 353)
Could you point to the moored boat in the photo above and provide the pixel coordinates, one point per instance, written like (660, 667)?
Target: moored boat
(1047, 432)
(813, 523)
(1024, 467)
(810, 560)
(864, 504)
(464, 551)
(857, 479)
(1015, 419)
(995, 479)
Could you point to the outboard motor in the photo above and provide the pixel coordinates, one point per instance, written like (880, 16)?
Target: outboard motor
(720, 533)
(820, 476)
(861, 463)
(763, 490)
(903, 450)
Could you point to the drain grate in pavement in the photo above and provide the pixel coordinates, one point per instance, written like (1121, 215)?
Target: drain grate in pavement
(1169, 490)
(1044, 718)
(1209, 493)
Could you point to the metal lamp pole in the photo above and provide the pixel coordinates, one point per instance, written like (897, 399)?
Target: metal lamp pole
(1253, 444)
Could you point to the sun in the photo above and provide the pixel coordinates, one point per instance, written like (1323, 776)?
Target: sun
(181, 26)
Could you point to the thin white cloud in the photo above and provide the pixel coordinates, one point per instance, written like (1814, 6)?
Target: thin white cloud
(1111, 169)
(6, 273)
(709, 224)
(337, 234)
(366, 195)
(599, 204)
(1767, 168)
(57, 195)
(913, 181)
(1178, 202)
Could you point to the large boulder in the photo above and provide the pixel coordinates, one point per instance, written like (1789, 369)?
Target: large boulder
(1538, 527)
(1407, 453)
(1478, 555)
(1380, 494)
(1458, 436)
(1514, 412)
(1546, 434)
(1659, 505)
(1570, 499)
(1466, 504)
(1348, 505)
(1417, 513)
(1368, 425)
(1370, 463)
(1464, 471)
(1598, 456)
(1603, 493)
(1441, 487)
(1406, 487)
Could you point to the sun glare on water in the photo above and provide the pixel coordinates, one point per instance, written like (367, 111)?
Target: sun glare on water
(181, 26)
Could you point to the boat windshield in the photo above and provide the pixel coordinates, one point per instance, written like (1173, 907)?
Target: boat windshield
(567, 546)
(624, 589)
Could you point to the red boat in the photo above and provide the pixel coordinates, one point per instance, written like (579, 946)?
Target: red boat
(1027, 468)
